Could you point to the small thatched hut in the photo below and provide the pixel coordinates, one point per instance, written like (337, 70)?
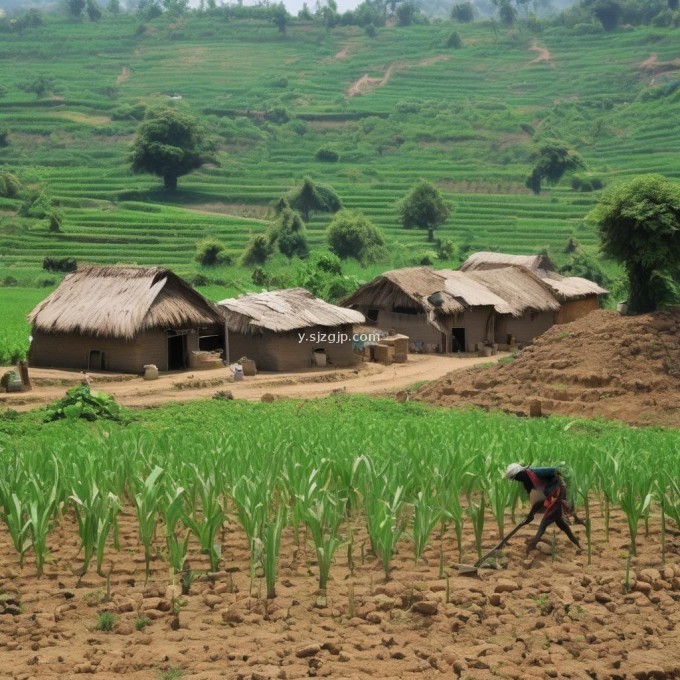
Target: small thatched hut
(577, 296)
(445, 310)
(286, 330)
(121, 318)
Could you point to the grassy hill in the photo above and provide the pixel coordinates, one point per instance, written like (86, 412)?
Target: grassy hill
(397, 107)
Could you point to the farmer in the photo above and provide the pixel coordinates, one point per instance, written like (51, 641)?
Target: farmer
(548, 495)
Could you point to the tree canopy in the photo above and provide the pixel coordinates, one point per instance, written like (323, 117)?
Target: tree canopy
(639, 224)
(352, 234)
(310, 198)
(552, 160)
(423, 208)
(289, 233)
(169, 142)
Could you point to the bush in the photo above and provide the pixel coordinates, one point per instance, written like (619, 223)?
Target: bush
(10, 281)
(277, 115)
(81, 402)
(352, 234)
(371, 31)
(257, 251)
(327, 155)
(454, 40)
(60, 264)
(208, 251)
(36, 204)
(54, 221)
(4, 137)
(9, 185)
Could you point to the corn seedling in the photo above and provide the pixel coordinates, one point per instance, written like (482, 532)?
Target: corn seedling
(323, 517)
(635, 497)
(385, 525)
(105, 622)
(271, 545)
(476, 510)
(177, 547)
(146, 504)
(426, 516)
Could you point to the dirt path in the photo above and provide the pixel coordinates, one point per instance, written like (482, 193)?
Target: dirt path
(543, 55)
(369, 378)
(123, 76)
(366, 83)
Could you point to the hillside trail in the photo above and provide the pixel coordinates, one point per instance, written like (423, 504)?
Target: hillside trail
(123, 75)
(367, 83)
(180, 386)
(543, 55)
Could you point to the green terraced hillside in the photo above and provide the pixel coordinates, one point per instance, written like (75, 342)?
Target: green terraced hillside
(396, 108)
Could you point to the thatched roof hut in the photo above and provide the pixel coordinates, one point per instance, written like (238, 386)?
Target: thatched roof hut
(565, 288)
(123, 316)
(281, 311)
(286, 330)
(122, 302)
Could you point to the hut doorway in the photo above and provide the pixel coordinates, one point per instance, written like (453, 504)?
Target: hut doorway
(95, 360)
(458, 340)
(176, 352)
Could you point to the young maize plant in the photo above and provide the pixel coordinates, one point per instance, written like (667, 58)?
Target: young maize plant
(252, 500)
(580, 488)
(95, 514)
(635, 497)
(323, 515)
(477, 511)
(147, 502)
(270, 547)
(19, 526)
(40, 511)
(426, 515)
(500, 497)
(178, 547)
(207, 522)
(385, 521)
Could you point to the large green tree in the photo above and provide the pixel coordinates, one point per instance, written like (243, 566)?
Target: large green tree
(639, 223)
(552, 159)
(423, 208)
(352, 234)
(310, 198)
(169, 142)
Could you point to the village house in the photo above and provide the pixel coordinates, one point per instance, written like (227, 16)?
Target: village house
(123, 318)
(286, 330)
(577, 296)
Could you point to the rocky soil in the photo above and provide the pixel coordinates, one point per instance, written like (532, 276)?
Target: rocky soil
(603, 365)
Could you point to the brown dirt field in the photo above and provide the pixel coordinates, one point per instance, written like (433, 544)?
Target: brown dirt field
(603, 365)
(543, 54)
(366, 83)
(123, 76)
(132, 390)
(534, 619)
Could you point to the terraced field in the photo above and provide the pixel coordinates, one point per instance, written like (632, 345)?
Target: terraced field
(396, 108)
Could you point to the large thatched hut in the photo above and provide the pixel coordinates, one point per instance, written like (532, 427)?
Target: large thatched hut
(121, 318)
(286, 330)
(445, 310)
(577, 296)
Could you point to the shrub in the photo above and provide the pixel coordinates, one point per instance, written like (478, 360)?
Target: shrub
(327, 155)
(277, 115)
(36, 204)
(4, 137)
(352, 234)
(9, 281)
(60, 264)
(54, 220)
(80, 402)
(454, 40)
(371, 31)
(208, 250)
(9, 185)
(257, 251)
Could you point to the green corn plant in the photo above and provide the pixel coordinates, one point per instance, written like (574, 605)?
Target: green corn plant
(207, 523)
(147, 507)
(635, 496)
(426, 515)
(252, 500)
(94, 514)
(499, 494)
(40, 517)
(476, 510)
(177, 547)
(323, 517)
(386, 524)
(270, 546)
(581, 487)
(19, 526)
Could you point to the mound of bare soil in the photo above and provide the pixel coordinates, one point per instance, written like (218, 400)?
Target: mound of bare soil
(603, 365)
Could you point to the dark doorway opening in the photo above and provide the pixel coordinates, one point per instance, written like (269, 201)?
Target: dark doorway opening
(95, 361)
(458, 340)
(176, 353)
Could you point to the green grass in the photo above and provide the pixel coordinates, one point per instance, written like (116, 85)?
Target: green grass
(14, 328)
(451, 116)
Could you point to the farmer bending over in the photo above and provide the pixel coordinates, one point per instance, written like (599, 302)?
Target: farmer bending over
(547, 494)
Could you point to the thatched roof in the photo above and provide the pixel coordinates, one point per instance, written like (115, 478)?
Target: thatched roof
(509, 290)
(284, 310)
(483, 259)
(571, 287)
(564, 287)
(521, 289)
(121, 302)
